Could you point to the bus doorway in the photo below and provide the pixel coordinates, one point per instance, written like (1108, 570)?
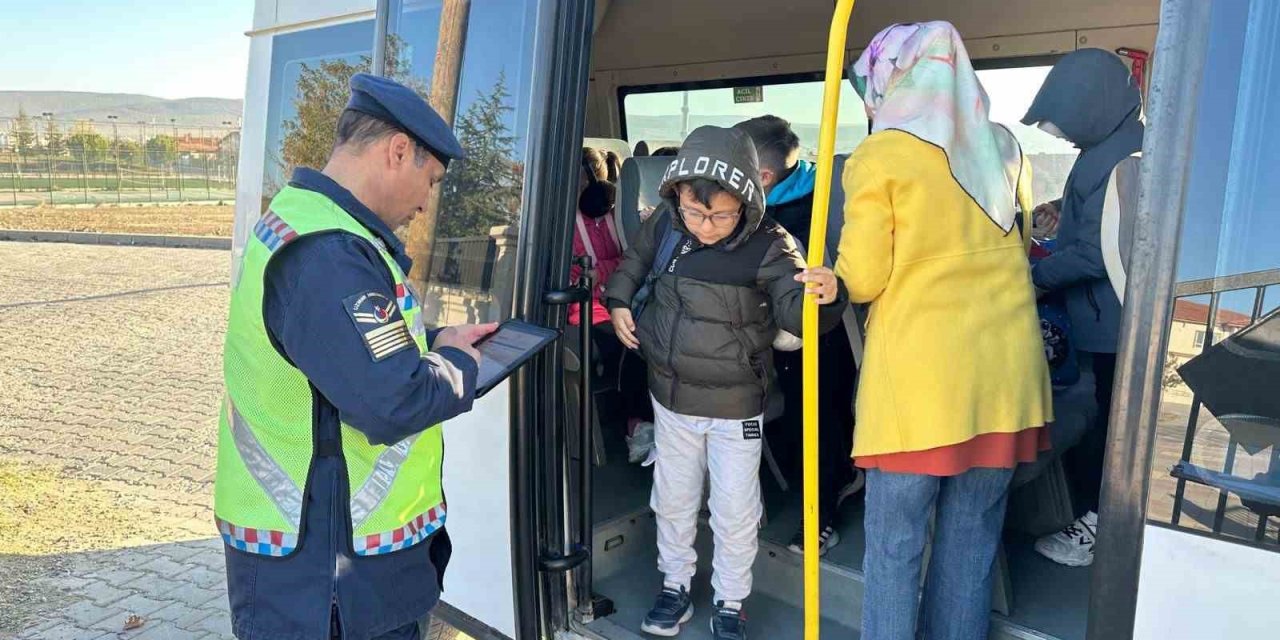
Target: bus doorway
(660, 72)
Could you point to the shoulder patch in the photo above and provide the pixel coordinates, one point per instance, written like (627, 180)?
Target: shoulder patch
(378, 321)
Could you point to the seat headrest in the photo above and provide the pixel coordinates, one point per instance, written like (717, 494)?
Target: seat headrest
(637, 190)
(1119, 209)
(835, 206)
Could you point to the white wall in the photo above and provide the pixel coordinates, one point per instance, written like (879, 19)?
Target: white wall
(1196, 588)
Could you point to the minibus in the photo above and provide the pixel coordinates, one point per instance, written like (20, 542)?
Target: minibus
(552, 531)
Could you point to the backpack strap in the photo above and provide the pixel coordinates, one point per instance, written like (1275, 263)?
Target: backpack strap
(667, 242)
(586, 239)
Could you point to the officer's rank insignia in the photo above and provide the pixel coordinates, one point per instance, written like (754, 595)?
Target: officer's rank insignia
(378, 321)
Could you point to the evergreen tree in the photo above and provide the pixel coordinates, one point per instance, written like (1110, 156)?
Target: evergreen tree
(483, 189)
(24, 134)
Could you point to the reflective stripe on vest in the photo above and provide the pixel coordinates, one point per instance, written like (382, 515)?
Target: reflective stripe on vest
(266, 431)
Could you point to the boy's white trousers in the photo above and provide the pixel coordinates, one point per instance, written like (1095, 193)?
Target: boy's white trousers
(687, 448)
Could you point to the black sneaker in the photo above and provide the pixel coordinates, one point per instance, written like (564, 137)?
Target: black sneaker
(728, 623)
(827, 538)
(672, 609)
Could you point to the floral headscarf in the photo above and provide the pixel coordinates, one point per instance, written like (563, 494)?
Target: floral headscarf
(917, 78)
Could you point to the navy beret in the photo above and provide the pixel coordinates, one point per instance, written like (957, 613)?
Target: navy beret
(397, 104)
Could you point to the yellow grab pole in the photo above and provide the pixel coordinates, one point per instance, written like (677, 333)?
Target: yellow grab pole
(817, 250)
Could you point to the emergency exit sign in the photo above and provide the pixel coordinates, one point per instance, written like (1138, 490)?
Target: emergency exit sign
(748, 94)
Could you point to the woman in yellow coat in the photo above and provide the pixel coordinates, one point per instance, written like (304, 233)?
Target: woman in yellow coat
(954, 390)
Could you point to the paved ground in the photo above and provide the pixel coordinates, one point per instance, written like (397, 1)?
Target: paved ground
(107, 431)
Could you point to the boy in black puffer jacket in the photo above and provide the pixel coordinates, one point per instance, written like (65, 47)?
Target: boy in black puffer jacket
(733, 279)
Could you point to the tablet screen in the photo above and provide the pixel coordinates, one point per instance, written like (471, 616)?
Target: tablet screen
(503, 351)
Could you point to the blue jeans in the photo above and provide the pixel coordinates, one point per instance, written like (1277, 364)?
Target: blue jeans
(956, 604)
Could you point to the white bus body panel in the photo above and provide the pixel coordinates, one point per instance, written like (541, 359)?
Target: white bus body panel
(477, 485)
(1196, 588)
(477, 445)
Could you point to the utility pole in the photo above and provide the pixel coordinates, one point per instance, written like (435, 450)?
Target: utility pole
(146, 168)
(115, 143)
(684, 117)
(177, 158)
(48, 115)
(444, 99)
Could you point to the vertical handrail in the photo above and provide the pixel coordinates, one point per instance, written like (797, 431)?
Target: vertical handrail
(817, 243)
(1173, 98)
(586, 430)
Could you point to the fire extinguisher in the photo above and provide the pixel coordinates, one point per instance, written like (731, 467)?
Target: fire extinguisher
(1138, 59)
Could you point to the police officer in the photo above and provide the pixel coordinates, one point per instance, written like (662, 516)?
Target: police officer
(328, 493)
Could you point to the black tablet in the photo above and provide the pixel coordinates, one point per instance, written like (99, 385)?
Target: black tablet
(505, 350)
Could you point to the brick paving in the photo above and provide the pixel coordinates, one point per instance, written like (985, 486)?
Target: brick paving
(111, 381)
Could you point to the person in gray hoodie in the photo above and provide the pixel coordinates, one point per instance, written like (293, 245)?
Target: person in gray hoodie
(728, 280)
(1091, 100)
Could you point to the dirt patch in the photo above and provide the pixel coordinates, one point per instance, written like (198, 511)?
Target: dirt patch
(47, 517)
(186, 220)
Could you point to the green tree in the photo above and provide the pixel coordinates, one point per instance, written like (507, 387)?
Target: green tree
(92, 147)
(161, 149)
(322, 93)
(483, 189)
(24, 134)
(54, 144)
(130, 153)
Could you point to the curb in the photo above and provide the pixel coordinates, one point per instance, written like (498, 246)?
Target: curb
(117, 239)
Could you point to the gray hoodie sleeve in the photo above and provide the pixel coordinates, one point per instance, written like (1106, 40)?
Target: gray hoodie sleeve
(776, 276)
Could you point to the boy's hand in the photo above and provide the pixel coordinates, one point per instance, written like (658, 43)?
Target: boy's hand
(625, 326)
(819, 281)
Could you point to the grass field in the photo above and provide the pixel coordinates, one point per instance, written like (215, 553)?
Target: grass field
(184, 219)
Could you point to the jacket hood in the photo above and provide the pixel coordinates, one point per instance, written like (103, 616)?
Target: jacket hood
(798, 185)
(1087, 95)
(728, 157)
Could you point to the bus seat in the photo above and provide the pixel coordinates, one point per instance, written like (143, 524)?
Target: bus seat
(637, 190)
(855, 317)
(1119, 210)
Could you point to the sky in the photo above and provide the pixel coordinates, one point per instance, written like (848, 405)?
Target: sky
(155, 47)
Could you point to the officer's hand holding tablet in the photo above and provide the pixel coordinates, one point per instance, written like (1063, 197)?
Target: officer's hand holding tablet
(500, 349)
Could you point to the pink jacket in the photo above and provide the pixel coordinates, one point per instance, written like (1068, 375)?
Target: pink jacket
(606, 254)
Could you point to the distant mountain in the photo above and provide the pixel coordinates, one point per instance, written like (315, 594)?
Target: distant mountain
(75, 105)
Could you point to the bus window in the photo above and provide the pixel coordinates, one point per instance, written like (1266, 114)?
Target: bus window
(1217, 428)
(315, 62)
(665, 117)
(464, 243)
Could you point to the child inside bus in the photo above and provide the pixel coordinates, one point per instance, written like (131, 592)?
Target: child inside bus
(596, 235)
(717, 280)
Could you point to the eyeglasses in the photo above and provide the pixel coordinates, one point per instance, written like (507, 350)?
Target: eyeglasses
(721, 220)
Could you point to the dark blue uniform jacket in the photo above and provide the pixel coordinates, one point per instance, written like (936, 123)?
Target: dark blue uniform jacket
(388, 400)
